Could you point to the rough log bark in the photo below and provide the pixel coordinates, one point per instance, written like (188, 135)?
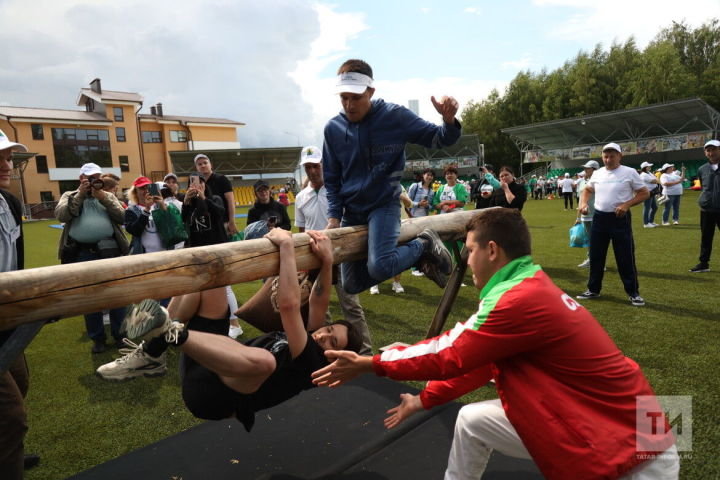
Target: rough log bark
(73, 289)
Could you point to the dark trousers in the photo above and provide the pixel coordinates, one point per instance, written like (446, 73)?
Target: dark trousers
(568, 199)
(708, 222)
(606, 227)
(13, 421)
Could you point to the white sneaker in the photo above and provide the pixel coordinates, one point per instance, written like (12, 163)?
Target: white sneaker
(418, 273)
(676, 222)
(654, 224)
(234, 331)
(374, 290)
(397, 288)
(134, 363)
(666, 224)
(649, 225)
(585, 264)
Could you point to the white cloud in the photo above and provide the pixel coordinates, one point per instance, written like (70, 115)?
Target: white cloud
(473, 10)
(425, 10)
(215, 59)
(611, 20)
(523, 64)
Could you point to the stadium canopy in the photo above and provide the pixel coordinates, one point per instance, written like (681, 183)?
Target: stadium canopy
(657, 120)
(240, 161)
(466, 146)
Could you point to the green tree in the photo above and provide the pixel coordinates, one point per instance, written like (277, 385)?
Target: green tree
(660, 76)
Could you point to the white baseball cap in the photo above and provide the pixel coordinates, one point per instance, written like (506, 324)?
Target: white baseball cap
(6, 143)
(199, 156)
(612, 146)
(567, 174)
(710, 143)
(486, 188)
(310, 154)
(645, 164)
(353, 82)
(90, 169)
(666, 166)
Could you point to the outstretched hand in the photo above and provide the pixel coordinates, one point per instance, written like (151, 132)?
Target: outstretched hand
(346, 366)
(409, 404)
(447, 107)
(321, 245)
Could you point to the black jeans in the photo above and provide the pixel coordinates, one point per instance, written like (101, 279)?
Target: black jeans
(568, 199)
(606, 227)
(708, 222)
(13, 420)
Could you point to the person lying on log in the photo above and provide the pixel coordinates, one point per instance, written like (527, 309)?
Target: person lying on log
(224, 378)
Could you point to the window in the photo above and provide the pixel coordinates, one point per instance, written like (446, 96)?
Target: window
(41, 163)
(46, 197)
(68, 185)
(120, 134)
(118, 114)
(178, 136)
(152, 137)
(37, 131)
(124, 163)
(75, 146)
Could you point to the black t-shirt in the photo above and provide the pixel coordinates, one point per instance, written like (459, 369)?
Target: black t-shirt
(499, 200)
(220, 185)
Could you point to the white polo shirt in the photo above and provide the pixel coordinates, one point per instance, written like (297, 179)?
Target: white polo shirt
(311, 208)
(613, 187)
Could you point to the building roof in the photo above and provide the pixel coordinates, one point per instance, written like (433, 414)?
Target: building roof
(240, 161)
(669, 118)
(52, 114)
(179, 118)
(109, 95)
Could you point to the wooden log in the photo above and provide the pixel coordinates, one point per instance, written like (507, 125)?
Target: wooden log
(73, 289)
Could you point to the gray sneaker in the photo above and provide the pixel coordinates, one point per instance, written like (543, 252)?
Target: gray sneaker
(436, 260)
(587, 295)
(147, 320)
(134, 363)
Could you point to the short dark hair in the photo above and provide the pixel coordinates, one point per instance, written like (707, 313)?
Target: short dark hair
(357, 66)
(450, 168)
(507, 169)
(355, 341)
(504, 226)
(428, 170)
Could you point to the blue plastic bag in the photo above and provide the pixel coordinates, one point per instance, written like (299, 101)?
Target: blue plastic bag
(578, 236)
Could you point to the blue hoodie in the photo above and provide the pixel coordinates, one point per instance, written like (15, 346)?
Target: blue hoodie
(363, 162)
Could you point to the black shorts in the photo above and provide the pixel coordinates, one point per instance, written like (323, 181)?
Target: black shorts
(207, 397)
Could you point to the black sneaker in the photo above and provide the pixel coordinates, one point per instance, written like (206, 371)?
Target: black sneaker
(148, 320)
(700, 267)
(637, 301)
(435, 261)
(98, 346)
(587, 294)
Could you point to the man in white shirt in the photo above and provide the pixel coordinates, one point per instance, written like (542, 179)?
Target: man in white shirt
(567, 184)
(311, 208)
(617, 188)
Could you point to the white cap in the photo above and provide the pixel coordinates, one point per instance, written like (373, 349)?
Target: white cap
(199, 156)
(567, 174)
(710, 143)
(666, 166)
(591, 164)
(310, 154)
(6, 143)
(612, 146)
(170, 175)
(486, 188)
(353, 82)
(90, 169)
(645, 164)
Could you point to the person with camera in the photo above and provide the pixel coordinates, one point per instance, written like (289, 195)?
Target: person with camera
(267, 208)
(203, 214)
(92, 219)
(144, 198)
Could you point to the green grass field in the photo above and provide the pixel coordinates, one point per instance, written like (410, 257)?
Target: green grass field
(78, 420)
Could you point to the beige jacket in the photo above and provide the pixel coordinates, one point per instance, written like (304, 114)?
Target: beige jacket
(68, 209)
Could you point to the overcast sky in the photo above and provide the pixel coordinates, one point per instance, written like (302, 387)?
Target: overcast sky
(272, 64)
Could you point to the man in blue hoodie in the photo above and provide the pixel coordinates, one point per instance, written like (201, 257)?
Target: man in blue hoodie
(363, 160)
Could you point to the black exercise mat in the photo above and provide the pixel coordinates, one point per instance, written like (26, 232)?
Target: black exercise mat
(322, 433)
